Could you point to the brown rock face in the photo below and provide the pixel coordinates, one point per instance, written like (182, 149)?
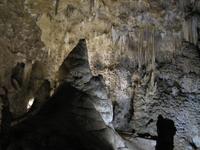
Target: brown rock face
(142, 60)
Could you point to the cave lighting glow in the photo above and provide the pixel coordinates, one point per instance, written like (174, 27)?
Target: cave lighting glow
(30, 103)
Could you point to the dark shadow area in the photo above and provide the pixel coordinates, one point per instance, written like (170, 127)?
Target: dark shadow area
(166, 131)
(6, 118)
(146, 136)
(17, 75)
(61, 124)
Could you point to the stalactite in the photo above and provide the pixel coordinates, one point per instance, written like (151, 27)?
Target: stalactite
(197, 6)
(153, 49)
(190, 29)
(146, 53)
(137, 44)
(140, 49)
(56, 7)
(92, 5)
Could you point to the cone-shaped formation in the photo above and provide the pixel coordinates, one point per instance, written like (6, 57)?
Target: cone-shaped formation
(75, 117)
(75, 68)
(76, 71)
(67, 121)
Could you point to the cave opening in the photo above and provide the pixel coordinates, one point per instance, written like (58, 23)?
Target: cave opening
(166, 131)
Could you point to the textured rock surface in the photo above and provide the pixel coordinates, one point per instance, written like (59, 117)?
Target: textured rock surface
(79, 108)
(76, 70)
(135, 45)
(20, 44)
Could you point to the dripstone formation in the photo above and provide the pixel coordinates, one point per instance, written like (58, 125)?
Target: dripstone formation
(141, 61)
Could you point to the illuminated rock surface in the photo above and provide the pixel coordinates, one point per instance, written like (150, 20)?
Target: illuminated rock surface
(143, 61)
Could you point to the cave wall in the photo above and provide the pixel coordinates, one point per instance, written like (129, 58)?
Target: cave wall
(146, 51)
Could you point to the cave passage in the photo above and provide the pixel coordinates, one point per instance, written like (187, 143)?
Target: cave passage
(166, 131)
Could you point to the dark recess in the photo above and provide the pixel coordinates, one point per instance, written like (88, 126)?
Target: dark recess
(166, 131)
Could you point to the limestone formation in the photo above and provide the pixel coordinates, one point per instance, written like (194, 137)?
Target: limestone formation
(142, 60)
